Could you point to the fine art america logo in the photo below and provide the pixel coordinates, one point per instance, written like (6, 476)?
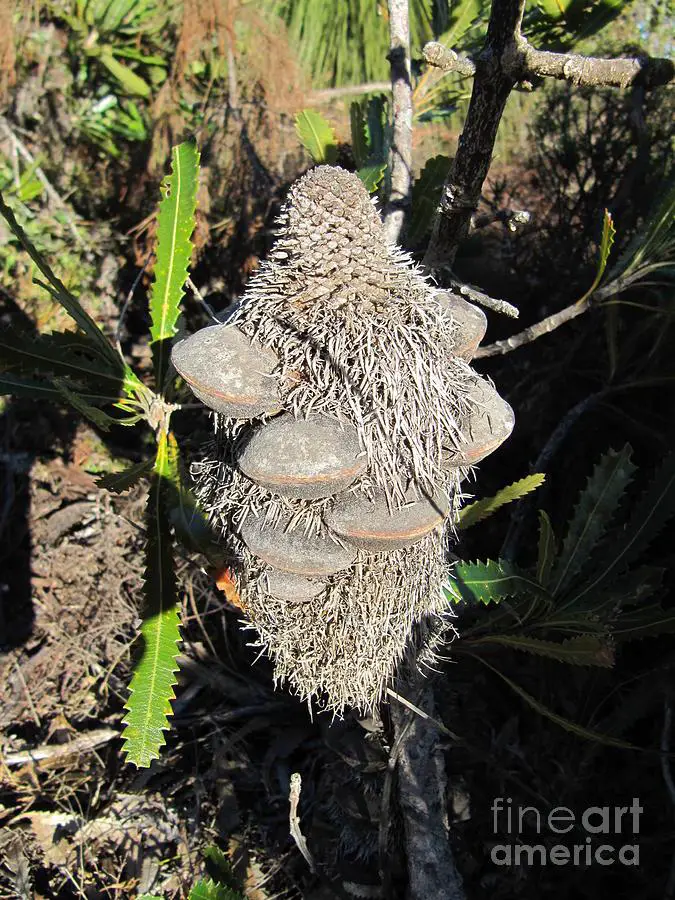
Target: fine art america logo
(602, 835)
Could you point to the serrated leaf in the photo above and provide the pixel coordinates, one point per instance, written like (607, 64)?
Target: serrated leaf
(35, 389)
(426, 194)
(60, 353)
(59, 291)
(152, 685)
(490, 582)
(593, 514)
(649, 620)
(606, 242)
(357, 121)
(377, 132)
(77, 401)
(188, 519)
(482, 509)
(316, 136)
(580, 650)
(206, 889)
(546, 549)
(175, 224)
(371, 176)
(567, 724)
(649, 515)
(118, 482)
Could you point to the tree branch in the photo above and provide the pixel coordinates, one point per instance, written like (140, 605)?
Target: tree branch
(491, 88)
(539, 329)
(329, 94)
(400, 196)
(643, 70)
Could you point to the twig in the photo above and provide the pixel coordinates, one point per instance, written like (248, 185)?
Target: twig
(447, 60)
(195, 290)
(294, 819)
(533, 332)
(420, 712)
(476, 296)
(50, 190)
(400, 195)
(512, 218)
(432, 874)
(330, 94)
(129, 298)
(84, 743)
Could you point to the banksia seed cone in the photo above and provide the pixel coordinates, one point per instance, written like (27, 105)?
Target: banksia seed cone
(335, 510)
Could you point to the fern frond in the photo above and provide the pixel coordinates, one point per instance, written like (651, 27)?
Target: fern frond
(482, 509)
(152, 685)
(175, 224)
(593, 514)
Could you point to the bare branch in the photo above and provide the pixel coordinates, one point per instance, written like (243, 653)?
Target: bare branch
(546, 326)
(648, 72)
(330, 94)
(294, 819)
(400, 196)
(444, 58)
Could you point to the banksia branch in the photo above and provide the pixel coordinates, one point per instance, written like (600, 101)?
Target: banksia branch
(348, 416)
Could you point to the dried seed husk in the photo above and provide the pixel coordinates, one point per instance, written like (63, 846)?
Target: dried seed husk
(313, 555)
(372, 525)
(486, 427)
(471, 322)
(303, 458)
(228, 372)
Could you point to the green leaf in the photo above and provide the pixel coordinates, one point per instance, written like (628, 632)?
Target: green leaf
(546, 549)
(481, 509)
(130, 81)
(371, 176)
(426, 194)
(206, 889)
(357, 120)
(34, 389)
(377, 132)
(189, 521)
(152, 685)
(60, 353)
(593, 514)
(580, 650)
(175, 224)
(118, 482)
(464, 14)
(77, 401)
(59, 291)
(648, 620)
(491, 581)
(649, 515)
(606, 241)
(316, 136)
(567, 724)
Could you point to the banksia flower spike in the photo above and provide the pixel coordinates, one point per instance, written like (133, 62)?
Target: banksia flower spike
(347, 417)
